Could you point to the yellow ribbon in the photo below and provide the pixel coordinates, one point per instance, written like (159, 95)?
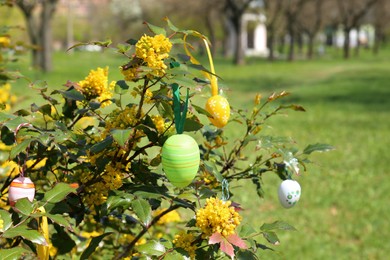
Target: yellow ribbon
(43, 251)
(211, 77)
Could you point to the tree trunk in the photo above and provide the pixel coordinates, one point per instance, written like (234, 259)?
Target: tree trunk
(48, 8)
(346, 42)
(270, 43)
(239, 58)
(310, 46)
(378, 37)
(290, 29)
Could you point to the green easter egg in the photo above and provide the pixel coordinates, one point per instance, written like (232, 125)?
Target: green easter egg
(180, 159)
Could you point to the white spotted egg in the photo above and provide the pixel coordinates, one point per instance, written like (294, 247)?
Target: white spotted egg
(289, 193)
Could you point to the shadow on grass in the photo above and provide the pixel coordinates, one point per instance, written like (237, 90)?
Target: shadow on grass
(369, 89)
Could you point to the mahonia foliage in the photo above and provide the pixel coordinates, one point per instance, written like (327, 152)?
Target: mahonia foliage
(93, 151)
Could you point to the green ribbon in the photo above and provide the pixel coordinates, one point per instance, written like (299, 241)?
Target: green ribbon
(180, 116)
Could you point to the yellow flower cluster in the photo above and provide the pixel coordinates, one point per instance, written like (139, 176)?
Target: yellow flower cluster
(97, 193)
(217, 216)
(153, 50)
(159, 122)
(128, 238)
(5, 41)
(129, 74)
(185, 241)
(172, 216)
(6, 99)
(209, 179)
(95, 85)
(122, 119)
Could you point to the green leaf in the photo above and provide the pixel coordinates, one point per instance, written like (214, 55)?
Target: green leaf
(24, 206)
(21, 147)
(7, 221)
(59, 219)
(246, 255)
(174, 256)
(155, 29)
(170, 25)
(96, 148)
(27, 233)
(5, 116)
(271, 237)
(152, 248)
(72, 94)
(246, 230)
(201, 110)
(277, 225)
(317, 148)
(93, 245)
(121, 136)
(143, 211)
(121, 87)
(192, 124)
(123, 200)
(15, 122)
(13, 253)
(58, 193)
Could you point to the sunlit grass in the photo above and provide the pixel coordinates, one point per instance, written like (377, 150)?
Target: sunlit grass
(343, 209)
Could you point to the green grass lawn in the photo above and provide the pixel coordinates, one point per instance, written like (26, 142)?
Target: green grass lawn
(343, 212)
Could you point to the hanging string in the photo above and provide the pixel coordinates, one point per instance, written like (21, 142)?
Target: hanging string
(24, 166)
(225, 190)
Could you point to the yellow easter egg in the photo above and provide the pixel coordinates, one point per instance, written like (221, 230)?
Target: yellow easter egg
(219, 108)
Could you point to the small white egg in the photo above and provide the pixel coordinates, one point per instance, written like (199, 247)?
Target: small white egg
(289, 193)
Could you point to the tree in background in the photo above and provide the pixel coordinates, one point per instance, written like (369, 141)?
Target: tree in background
(351, 12)
(234, 10)
(381, 19)
(273, 11)
(292, 11)
(310, 22)
(38, 16)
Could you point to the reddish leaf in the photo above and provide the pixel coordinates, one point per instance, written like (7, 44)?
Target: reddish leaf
(227, 248)
(215, 238)
(237, 241)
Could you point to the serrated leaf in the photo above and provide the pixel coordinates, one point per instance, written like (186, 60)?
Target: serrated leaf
(271, 237)
(143, 210)
(155, 29)
(152, 248)
(58, 193)
(27, 233)
(13, 253)
(24, 206)
(174, 255)
(93, 245)
(277, 225)
(317, 148)
(7, 221)
(246, 255)
(246, 230)
(121, 136)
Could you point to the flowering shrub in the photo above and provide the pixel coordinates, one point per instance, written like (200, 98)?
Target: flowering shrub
(97, 154)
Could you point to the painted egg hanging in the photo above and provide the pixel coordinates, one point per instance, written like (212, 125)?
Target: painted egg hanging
(219, 108)
(289, 193)
(180, 159)
(21, 187)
